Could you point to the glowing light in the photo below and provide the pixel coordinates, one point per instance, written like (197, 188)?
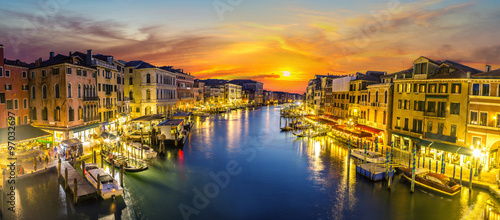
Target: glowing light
(286, 73)
(477, 153)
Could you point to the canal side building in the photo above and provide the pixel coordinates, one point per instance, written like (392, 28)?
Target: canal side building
(14, 91)
(430, 110)
(63, 97)
(151, 90)
(483, 127)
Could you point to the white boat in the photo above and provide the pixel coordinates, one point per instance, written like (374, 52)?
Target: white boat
(148, 153)
(109, 187)
(372, 157)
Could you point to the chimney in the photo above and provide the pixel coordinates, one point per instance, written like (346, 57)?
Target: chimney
(70, 54)
(1, 55)
(110, 60)
(488, 68)
(51, 55)
(468, 74)
(89, 57)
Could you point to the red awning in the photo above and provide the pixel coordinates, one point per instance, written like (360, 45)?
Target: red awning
(369, 129)
(331, 123)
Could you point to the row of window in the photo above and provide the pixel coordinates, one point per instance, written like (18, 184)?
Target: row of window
(57, 114)
(483, 89)
(432, 107)
(12, 104)
(418, 126)
(456, 88)
(89, 91)
(7, 73)
(481, 118)
(56, 71)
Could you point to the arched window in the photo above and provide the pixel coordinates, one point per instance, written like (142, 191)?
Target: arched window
(33, 92)
(80, 113)
(33, 113)
(148, 78)
(44, 114)
(130, 81)
(44, 92)
(57, 114)
(79, 90)
(376, 96)
(131, 95)
(56, 91)
(69, 90)
(148, 94)
(385, 97)
(71, 114)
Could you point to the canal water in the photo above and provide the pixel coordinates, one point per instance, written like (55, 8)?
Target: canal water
(240, 166)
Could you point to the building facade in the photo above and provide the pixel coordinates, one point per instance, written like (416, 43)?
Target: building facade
(63, 97)
(14, 91)
(430, 110)
(151, 90)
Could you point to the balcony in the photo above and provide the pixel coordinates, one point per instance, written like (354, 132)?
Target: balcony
(441, 114)
(375, 104)
(108, 106)
(91, 119)
(90, 98)
(441, 137)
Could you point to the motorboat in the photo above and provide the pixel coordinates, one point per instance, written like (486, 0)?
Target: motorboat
(108, 187)
(436, 182)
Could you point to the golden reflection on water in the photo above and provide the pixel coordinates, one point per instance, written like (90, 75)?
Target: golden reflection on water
(318, 149)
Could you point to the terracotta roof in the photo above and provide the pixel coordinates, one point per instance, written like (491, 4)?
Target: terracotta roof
(490, 74)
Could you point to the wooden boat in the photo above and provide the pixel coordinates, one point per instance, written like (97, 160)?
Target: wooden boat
(432, 181)
(374, 172)
(147, 152)
(109, 187)
(128, 165)
(372, 157)
(310, 134)
(286, 128)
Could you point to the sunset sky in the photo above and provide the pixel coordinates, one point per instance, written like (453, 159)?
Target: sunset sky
(282, 43)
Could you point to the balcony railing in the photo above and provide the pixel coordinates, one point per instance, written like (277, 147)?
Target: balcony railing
(89, 119)
(435, 114)
(90, 98)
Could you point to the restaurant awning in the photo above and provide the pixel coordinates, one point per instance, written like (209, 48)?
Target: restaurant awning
(451, 148)
(71, 142)
(85, 127)
(424, 143)
(369, 129)
(22, 133)
(147, 118)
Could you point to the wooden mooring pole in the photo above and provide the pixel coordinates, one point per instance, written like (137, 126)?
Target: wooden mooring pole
(75, 189)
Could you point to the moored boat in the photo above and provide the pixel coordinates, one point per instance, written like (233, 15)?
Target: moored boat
(148, 153)
(108, 187)
(286, 128)
(432, 181)
(372, 157)
(372, 171)
(129, 165)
